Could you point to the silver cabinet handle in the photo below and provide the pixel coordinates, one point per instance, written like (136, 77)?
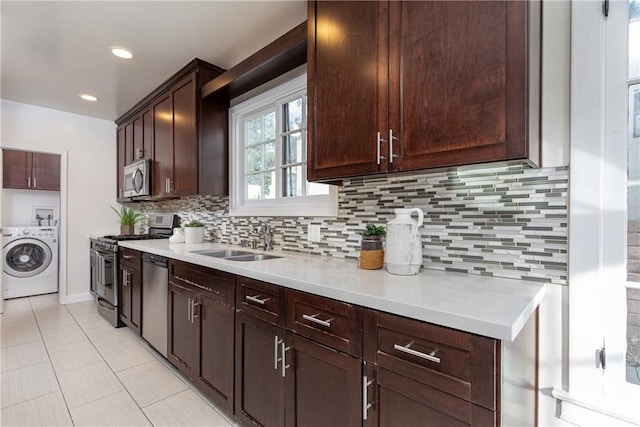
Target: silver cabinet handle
(276, 343)
(365, 404)
(29, 182)
(314, 318)
(284, 358)
(34, 182)
(256, 299)
(127, 256)
(125, 282)
(391, 138)
(378, 156)
(189, 310)
(195, 310)
(406, 349)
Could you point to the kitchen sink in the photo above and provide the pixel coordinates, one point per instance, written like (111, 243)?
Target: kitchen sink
(221, 254)
(232, 255)
(252, 257)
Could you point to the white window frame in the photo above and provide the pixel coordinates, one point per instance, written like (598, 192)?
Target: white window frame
(316, 205)
(597, 218)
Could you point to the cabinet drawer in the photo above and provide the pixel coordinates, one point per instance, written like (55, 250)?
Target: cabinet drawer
(462, 364)
(130, 258)
(262, 300)
(218, 284)
(334, 323)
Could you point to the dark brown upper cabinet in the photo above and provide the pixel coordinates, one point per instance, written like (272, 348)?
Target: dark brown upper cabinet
(30, 171)
(409, 85)
(183, 135)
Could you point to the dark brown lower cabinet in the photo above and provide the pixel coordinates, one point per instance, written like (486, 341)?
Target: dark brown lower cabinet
(215, 349)
(400, 401)
(259, 380)
(181, 349)
(130, 289)
(323, 385)
(201, 325)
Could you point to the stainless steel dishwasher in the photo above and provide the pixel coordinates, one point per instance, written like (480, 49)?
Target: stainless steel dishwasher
(155, 287)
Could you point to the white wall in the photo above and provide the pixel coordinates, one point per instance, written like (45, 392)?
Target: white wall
(88, 146)
(17, 206)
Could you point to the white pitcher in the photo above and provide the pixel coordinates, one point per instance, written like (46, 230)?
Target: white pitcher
(403, 252)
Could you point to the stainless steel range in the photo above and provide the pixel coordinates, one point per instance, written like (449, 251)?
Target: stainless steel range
(104, 263)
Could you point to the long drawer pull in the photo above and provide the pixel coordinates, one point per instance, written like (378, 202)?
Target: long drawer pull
(127, 256)
(314, 318)
(256, 299)
(276, 343)
(406, 349)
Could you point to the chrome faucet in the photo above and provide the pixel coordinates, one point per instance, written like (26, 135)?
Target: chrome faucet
(264, 231)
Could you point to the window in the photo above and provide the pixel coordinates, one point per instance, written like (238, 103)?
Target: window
(269, 167)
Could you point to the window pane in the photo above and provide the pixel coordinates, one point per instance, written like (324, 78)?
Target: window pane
(292, 115)
(254, 131)
(270, 185)
(270, 155)
(254, 158)
(293, 183)
(254, 187)
(270, 126)
(634, 39)
(292, 152)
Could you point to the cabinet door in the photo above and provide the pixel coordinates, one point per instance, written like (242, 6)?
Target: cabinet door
(162, 146)
(138, 137)
(185, 139)
(136, 301)
(182, 331)
(16, 169)
(121, 161)
(347, 88)
(323, 386)
(458, 82)
(46, 171)
(128, 143)
(399, 401)
(259, 393)
(147, 134)
(215, 355)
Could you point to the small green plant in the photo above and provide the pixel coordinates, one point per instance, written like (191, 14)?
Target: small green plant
(373, 230)
(128, 216)
(193, 223)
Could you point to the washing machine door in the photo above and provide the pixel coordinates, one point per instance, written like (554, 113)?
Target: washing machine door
(26, 257)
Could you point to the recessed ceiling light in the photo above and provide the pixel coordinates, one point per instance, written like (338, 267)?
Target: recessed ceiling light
(88, 97)
(121, 52)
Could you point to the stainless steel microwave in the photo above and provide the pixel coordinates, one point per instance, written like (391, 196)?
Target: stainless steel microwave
(136, 179)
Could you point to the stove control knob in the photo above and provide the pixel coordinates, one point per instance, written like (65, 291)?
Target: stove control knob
(25, 231)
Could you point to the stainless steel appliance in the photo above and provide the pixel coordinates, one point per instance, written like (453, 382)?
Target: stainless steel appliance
(136, 179)
(155, 287)
(104, 263)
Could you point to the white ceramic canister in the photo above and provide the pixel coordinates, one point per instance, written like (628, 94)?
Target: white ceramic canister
(403, 251)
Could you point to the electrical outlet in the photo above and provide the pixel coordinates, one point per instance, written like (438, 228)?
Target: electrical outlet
(313, 233)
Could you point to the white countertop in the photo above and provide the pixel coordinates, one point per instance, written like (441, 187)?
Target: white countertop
(493, 307)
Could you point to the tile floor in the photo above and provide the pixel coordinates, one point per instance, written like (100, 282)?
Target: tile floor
(65, 365)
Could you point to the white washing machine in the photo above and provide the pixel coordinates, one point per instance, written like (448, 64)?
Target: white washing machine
(30, 261)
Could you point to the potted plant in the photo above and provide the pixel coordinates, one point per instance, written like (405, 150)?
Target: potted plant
(193, 232)
(371, 252)
(128, 219)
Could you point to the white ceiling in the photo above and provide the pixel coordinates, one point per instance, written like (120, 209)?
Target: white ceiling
(54, 50)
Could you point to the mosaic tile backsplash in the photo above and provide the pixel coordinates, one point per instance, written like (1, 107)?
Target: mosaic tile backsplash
(504, 221)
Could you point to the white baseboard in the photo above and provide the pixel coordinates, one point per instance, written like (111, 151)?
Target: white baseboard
(71, 299)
